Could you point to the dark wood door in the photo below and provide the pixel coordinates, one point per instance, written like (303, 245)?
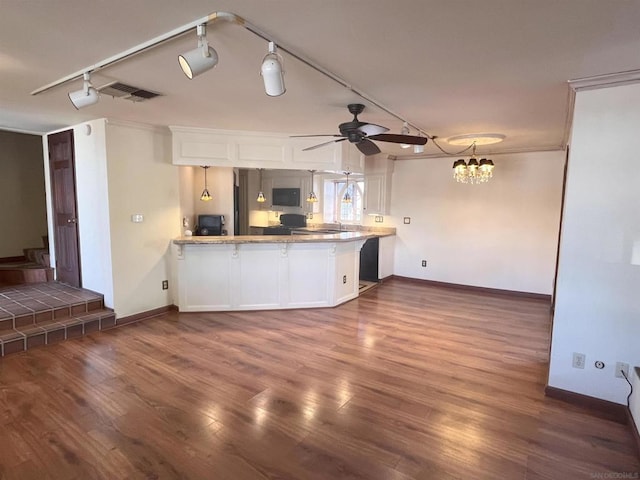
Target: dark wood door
(65, 218)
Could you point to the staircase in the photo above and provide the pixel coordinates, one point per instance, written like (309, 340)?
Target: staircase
(45, 313)
(33, 268)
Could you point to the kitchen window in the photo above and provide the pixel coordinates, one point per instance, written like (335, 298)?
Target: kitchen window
(335, 210)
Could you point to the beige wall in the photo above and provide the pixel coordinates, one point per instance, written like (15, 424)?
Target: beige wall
(502, 234)
(141, 180)
(23, 217)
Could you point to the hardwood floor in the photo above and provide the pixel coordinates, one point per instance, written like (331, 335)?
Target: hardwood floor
(406, 382)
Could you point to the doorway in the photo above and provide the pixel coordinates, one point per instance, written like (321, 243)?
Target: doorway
(64, 204)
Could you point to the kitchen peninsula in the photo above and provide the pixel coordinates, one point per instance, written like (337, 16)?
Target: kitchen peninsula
(264, 272)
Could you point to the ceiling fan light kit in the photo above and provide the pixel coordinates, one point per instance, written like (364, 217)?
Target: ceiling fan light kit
(361, 134)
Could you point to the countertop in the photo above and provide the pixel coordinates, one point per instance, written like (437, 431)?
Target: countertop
(308, 238)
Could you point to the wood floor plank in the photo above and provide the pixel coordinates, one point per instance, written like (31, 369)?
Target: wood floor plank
(406, 382)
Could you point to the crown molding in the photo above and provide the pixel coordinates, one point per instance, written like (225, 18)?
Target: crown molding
(511, 151)
(605, 81)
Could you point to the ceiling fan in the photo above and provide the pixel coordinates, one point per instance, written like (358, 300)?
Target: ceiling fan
(361, 134)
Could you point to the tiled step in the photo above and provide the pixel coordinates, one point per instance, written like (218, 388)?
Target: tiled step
(46, 313)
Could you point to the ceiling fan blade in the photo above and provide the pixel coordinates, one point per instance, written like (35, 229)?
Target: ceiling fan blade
(323, 144)
(367, 147)
(319, 135)
(372, 129)
(394, 138)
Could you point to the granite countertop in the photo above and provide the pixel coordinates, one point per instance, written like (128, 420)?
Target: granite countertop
(308, 238)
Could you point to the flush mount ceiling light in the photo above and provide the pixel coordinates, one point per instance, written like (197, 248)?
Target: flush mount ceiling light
(206, 196)
(476, 139)
(200, 59)
(272, 72)
(85, 97)
(261, 198)
(473, 172)
(312, 198)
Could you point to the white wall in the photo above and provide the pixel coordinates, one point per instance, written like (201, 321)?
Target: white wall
(502, 234)
(597, 304)
(92, 191)
(23, 216)
(141, 180)
(634, 401)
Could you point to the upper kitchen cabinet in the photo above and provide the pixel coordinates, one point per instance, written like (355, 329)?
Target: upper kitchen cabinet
(242, 149)
(377, 185)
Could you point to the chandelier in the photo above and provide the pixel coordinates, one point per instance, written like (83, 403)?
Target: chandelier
(473, 171)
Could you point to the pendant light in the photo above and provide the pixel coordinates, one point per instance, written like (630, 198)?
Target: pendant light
(261, 198)
(347, 197)
(206, 196)
(312, 198)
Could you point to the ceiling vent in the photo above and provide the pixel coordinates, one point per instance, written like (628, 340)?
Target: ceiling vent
(127, 92)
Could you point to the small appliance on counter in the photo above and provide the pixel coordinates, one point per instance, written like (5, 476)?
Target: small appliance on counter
(210, 225)
(288, 222)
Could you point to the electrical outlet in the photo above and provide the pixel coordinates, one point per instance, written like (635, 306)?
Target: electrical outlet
(424, 263)
(406, 220)
(624, 367)
(379, 219)
(578, 360)
(165, 284)
(344, 279)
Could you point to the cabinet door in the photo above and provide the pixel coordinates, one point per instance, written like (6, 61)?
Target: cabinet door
(375, 194)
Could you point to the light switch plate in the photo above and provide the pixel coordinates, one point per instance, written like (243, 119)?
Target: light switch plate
(137, 218)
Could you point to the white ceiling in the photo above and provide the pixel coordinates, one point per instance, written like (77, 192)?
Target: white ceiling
(448, 66)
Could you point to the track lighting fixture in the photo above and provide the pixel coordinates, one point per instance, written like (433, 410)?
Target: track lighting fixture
(200, 59)
(206, 196)
(312, 198)
(85, 97)
(405, 131)
(272, 72)
(418, 148)
(261, 198)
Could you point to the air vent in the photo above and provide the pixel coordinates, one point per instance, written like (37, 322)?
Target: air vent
(127, 92)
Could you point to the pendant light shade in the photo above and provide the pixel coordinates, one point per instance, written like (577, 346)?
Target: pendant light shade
(261, 198)
(347, 196)
(205, 196)
(312, 198)
(272, 72)
(200, 59)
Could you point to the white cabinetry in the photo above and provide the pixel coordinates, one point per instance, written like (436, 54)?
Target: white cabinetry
(377, 185)
(376, 195)
(243, 149)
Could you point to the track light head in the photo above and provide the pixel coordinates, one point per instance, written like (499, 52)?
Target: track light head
(200, 59)
(85, 97)
(272, 72)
